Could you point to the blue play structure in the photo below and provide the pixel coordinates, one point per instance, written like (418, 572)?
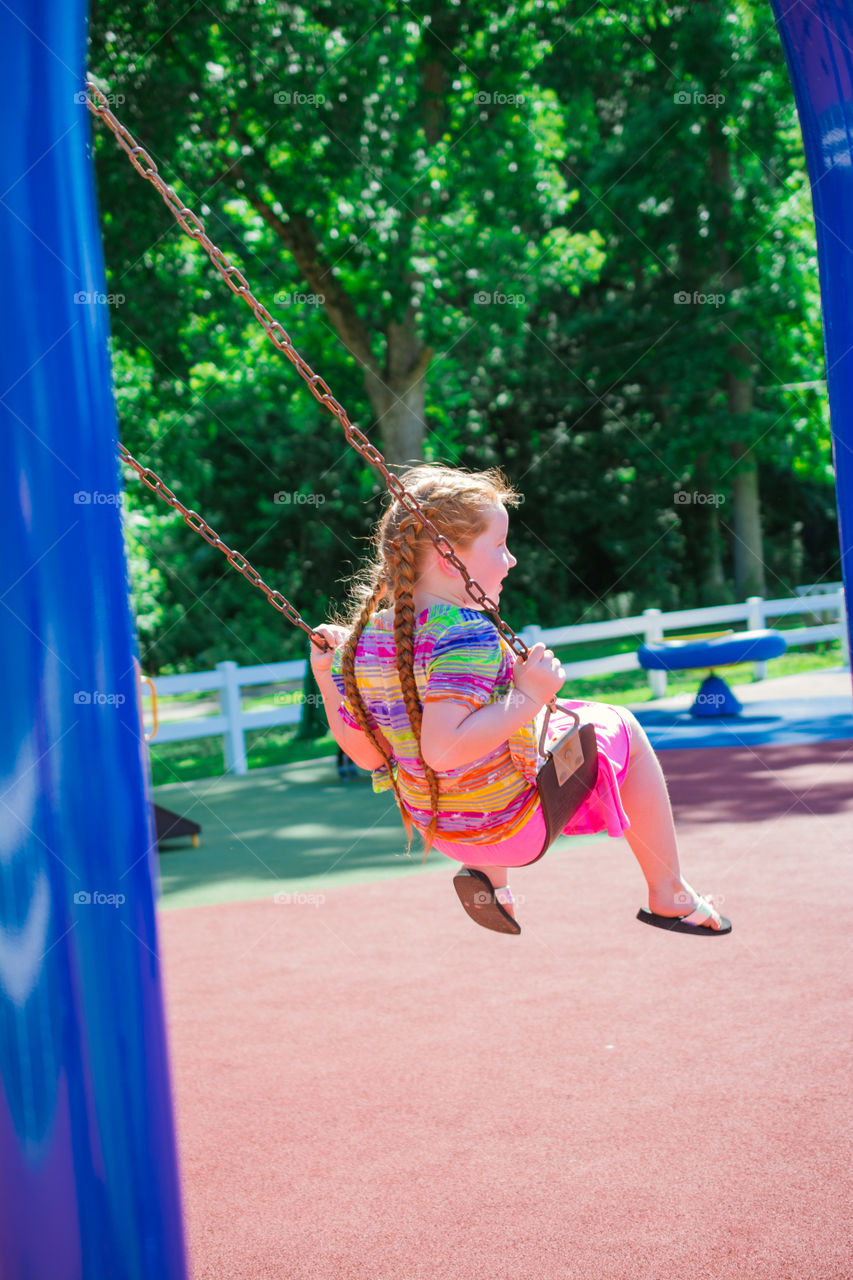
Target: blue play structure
(714, 698)
(90, 1186)
(817, 36)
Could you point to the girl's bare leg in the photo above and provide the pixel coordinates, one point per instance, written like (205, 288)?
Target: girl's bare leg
(652, 832)
(651, 835)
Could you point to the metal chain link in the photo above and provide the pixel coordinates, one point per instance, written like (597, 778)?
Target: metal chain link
(237, 283)
(197, 522)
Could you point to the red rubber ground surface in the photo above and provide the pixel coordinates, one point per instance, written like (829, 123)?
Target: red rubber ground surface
(376, 1089)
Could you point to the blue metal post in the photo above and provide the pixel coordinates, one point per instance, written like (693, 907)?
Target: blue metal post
(88, 1169)
(817, 36)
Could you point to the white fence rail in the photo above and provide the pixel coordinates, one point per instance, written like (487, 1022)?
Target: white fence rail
(228, 680)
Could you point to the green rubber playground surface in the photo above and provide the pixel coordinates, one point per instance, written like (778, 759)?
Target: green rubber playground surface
(288, 829)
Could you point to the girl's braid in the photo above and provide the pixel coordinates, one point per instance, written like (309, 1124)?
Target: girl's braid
(404, 577)
(353, 695)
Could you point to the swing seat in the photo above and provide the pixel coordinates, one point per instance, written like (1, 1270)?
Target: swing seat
(565, 780)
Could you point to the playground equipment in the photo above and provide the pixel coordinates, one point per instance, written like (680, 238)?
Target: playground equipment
(86, 1123)
(684, 653)
(90, 1183)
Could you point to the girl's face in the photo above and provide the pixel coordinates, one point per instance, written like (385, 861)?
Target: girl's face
(488, 559)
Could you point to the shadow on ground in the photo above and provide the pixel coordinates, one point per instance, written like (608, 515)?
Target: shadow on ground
(723, 785)
(290, 828)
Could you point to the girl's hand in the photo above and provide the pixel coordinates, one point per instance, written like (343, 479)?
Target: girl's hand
(539, 676)
(321, 661)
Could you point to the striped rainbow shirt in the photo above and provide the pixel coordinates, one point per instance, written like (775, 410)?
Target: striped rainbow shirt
(458, 654)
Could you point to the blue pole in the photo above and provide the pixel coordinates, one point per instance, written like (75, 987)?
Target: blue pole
(817, 36)
(88, 1169)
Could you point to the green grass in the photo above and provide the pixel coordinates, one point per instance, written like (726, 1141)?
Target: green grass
(203, 757)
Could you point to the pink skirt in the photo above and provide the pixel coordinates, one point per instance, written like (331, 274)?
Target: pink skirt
(601, 810)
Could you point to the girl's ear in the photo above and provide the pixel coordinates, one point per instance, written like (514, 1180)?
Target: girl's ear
(446, 567)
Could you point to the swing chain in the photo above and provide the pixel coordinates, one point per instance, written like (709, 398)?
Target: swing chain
(319, 388)
(239, 562)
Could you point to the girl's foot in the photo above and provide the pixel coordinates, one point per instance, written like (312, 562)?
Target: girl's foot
(487, 904)
(680, 900)
(504, 897)
(497, 877)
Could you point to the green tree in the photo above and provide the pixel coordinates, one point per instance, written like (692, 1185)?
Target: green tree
(393, 165)
(498, 209)
(688, 161)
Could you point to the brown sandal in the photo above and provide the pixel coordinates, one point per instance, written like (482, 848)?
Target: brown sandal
(477, 895)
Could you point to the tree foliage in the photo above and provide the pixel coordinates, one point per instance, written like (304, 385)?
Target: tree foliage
(576, 242)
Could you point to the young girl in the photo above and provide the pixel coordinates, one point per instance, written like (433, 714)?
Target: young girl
(428, 695)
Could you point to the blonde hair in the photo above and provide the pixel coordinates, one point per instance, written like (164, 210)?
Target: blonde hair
(459, 504)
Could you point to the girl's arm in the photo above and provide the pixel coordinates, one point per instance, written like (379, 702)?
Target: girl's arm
(354, 742)
(452, 735)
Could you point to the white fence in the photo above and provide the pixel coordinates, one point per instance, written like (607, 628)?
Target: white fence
(228, 680)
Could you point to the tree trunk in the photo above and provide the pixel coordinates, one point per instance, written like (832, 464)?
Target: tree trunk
(715, 579)
(740, 387)
(712, 587)
(400, 419)
(746, 514)
(397, 394)
(397, 391)
(748, 554)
